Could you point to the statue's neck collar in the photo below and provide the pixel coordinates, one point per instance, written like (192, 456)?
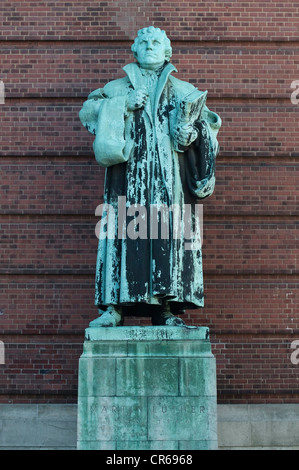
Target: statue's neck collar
(136, 77)
(147, 72)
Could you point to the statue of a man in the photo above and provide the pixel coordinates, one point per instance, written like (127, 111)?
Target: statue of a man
(157, 140)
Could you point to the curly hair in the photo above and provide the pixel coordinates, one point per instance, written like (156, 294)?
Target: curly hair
(151, 30)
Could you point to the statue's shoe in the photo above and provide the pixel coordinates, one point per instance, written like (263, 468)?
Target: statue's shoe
(108, 318)
(168, 319)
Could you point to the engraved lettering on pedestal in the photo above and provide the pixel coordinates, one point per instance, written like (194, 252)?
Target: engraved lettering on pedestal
(124, 422)
(93, 408)
(186, 409)
(176, 416)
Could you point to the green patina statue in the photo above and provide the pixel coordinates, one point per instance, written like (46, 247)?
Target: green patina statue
(158, 142)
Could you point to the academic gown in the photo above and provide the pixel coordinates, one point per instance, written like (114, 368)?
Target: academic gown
(146, 170)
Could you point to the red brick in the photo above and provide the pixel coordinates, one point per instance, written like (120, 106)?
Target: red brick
(53, 55)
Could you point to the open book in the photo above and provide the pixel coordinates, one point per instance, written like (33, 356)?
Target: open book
(191, 108)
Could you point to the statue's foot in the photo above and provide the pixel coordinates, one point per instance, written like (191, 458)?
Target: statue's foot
(111, 317)
(168, 319)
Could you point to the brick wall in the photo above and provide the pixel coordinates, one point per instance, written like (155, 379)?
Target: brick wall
(52, 55)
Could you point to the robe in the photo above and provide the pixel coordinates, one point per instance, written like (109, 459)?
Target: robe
(152, 189)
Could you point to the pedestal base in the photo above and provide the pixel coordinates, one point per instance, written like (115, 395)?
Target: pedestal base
(147, 388)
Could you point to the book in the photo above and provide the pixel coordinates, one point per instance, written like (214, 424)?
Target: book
(191, 108)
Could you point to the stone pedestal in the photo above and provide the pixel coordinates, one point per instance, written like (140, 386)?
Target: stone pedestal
(147, 388)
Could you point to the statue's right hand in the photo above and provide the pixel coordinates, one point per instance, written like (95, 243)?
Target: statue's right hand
(137, 99)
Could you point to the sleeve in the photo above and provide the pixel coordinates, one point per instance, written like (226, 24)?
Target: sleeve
(89, 113)
(110, 145)
(105, 118)
(200, 157)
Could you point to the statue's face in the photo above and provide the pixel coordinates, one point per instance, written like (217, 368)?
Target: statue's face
(150, 51)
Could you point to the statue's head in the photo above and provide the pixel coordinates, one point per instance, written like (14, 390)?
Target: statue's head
(151, 48)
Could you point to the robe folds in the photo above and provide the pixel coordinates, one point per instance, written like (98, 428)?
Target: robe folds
(152, 190)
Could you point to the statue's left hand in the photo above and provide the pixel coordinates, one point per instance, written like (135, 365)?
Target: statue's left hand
(185, 135)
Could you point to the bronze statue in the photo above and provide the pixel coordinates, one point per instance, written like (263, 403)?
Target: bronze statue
(158, 141)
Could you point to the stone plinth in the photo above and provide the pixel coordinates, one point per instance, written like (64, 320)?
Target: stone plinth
(143, 388)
